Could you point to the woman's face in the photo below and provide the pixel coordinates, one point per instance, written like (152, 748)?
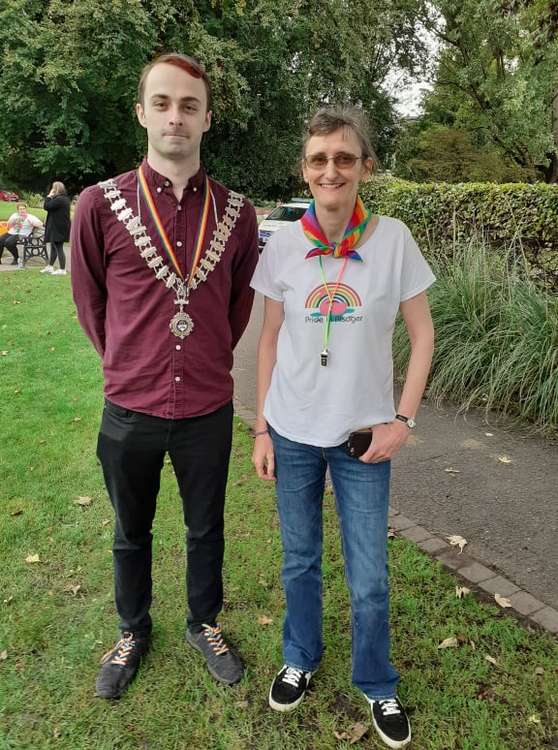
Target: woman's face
(335, 185)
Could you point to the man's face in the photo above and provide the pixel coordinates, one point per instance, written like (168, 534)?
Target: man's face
(22, 211)
(174, 112)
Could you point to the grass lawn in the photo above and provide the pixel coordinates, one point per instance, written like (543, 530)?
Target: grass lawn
(57, 616)
(8, 208)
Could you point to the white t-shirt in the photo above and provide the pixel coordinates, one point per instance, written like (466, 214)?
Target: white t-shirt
(23, 227)
(317, 405)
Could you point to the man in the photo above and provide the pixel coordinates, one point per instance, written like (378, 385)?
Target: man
(162, 258)
(20, 224)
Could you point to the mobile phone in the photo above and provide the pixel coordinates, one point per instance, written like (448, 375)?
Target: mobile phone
(358, 443)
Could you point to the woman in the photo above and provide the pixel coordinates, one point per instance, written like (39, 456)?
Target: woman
(334, 282)
(20, 224)
(57, 227)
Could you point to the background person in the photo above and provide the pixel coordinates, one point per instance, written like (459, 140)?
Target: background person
(20, 224)
(57, 227)
(162, 258)
(334, 282)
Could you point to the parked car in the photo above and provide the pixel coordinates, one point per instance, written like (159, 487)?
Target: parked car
(8, 195)
(285, 212)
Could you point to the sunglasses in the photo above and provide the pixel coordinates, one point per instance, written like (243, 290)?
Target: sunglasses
(341, 160)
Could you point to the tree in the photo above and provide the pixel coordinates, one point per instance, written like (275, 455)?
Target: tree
(497, 80)
(71, 70)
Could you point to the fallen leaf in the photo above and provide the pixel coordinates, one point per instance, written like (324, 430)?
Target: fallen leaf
(57, 733)
(473, 646)
(533, 719)
(461, 591)
(9, 600)
(491, 659)
(505, 460)
(242, 704)
(73, 588)
(4, 354)
(457, 541)
(51, 349)
(341, 735)
(3, 655)
(32, 559)
(77, 419)
(539, 670)
(489, 434)
(451, 470)
(16, 512)
(106, 522)
(357, 732)
(451, 642)
(264, 620)
(502, 601)
(83, 500)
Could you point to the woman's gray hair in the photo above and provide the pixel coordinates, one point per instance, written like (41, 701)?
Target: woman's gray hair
(329, 119)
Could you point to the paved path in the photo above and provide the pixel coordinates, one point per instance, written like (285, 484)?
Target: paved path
(508, 512)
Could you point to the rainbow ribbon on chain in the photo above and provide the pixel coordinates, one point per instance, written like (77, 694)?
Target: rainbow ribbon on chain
(167, 245)
(344, 249)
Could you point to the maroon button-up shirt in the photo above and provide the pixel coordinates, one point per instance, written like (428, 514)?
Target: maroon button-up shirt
(126, 311)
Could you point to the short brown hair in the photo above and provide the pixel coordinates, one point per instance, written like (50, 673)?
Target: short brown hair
(329, 119)
(189, 64)
(20, 204)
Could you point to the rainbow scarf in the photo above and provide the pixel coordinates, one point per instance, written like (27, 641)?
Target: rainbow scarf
(355, 228)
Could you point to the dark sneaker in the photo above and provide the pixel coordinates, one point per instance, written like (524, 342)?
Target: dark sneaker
(391, 722)
(223, 663)
(288, 688)
(119, 665)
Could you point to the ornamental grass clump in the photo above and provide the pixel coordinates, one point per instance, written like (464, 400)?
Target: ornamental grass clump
(496, 335)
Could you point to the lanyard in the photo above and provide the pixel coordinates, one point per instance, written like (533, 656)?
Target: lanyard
(202, 228)
(331, 296)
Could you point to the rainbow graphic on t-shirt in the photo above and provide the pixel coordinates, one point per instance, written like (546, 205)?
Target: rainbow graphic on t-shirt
(345, 301)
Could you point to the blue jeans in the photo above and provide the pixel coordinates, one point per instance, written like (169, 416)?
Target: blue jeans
(362, 499)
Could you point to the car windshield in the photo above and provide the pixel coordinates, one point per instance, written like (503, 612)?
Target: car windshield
(286, 213)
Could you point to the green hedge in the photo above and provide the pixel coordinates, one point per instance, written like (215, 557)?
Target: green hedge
(513, 216)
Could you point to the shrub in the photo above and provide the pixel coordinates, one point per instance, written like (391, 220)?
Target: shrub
(519, 217)
(496, 336)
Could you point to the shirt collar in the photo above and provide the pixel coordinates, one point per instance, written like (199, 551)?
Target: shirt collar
(157, 180)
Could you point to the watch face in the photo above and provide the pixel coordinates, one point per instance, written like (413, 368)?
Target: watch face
(411, 423)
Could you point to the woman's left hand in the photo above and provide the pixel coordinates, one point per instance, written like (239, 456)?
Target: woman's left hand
(387, 440)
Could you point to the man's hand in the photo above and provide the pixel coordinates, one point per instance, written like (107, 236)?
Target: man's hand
(387, 440)
(263, 457)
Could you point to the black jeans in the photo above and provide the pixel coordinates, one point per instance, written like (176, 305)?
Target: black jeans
(9, 241)
(57, 251)
(131, 448)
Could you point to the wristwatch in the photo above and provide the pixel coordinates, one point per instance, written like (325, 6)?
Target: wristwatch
(409, 421)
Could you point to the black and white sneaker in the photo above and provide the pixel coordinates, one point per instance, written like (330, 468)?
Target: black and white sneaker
(390, 721)
(288, 688)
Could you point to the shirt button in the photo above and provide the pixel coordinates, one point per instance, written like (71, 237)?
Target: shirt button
(179, 208)
(179, 244)
(195, 190)
(177, 379)
(178, 347)
(167, 183)
(159, 190)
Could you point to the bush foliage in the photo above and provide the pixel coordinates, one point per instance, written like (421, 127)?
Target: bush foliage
(519, 217)
(496, 336)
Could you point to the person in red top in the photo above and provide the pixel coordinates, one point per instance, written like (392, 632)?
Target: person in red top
(162, 258)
